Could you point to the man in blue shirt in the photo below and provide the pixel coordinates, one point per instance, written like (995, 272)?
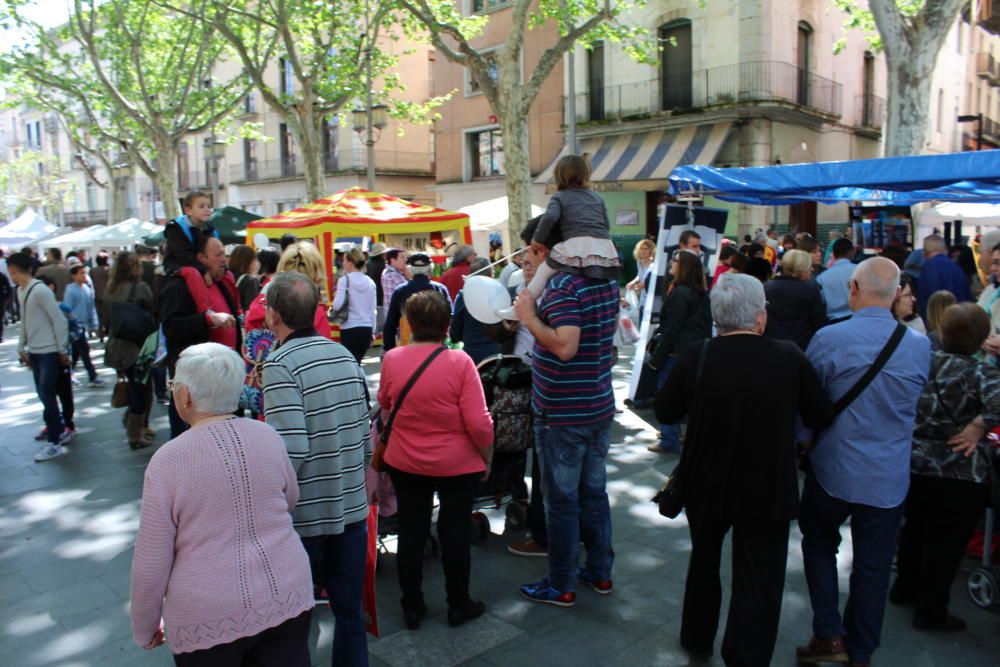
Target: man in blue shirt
(940, 273)
(79, 298)
(834, 281)
(860, 466)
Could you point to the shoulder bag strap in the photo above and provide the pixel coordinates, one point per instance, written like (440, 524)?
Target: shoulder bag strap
(880, 361)
(387, 429)
(24, 308)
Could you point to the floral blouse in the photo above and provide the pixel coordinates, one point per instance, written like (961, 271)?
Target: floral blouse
(960, 389)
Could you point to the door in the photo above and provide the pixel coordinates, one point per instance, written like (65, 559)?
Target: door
(676, 75)
(595, 81)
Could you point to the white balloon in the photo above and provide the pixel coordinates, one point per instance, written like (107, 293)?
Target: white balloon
(260, 241)
(516, 279)
(484, 296)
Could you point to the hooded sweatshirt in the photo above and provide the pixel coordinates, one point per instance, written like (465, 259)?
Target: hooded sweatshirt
(361, 294)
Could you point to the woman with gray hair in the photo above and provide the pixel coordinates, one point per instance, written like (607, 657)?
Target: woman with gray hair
(219, 572)
(739, 467)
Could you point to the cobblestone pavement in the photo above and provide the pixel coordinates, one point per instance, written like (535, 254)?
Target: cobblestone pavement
(67, 529)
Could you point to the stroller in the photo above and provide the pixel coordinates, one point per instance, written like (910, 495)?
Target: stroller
(507, 385)
(982, 582)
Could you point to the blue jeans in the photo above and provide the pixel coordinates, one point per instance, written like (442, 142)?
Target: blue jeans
(873, 533)
(670, 434)
(575, 476)
(46, 369)
(338, 562)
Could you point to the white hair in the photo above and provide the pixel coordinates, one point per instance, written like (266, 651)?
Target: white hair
(214, 376)
(420, 270)
(877, 277)
(737, 299)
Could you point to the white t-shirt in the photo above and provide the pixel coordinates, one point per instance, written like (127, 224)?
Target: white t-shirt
(361, 302)
(524, 342)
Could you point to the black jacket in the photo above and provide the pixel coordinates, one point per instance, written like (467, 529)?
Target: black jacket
(795, 310)
(374, 268)
(739, 455)
(183, 325)
(685, 318)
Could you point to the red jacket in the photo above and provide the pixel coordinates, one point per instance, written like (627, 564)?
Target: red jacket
(452, 279)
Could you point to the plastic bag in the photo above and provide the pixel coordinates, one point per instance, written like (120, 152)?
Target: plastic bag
(626, 333)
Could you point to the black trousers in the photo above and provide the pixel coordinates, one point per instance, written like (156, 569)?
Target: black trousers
(415, 495)
(357, 340)
(939, 518)
(760, 552)
(64, 391)
(285, 645)
(536, 505)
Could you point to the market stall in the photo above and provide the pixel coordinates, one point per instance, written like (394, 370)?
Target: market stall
(27, 229)
(125, 234)
(361, 213)
(493, 217)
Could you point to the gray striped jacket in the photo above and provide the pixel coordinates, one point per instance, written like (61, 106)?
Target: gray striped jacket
(315, 397)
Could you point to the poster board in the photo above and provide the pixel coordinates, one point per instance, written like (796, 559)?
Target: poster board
(710, 224)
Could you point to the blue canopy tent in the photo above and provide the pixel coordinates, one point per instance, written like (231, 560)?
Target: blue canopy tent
(966, 177)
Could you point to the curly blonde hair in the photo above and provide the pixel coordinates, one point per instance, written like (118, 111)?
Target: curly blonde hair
(648, 245)
(305, 258)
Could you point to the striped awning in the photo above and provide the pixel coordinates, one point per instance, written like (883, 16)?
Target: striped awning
(646, 156)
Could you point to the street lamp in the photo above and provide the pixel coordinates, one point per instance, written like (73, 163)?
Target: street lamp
(369, 123)
(978, 118)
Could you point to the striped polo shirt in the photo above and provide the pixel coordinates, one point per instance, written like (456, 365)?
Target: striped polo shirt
(578, 391)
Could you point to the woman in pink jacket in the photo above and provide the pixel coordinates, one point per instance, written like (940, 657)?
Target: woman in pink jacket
(441, 440)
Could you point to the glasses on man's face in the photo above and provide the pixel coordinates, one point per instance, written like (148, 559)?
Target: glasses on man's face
(172, 384)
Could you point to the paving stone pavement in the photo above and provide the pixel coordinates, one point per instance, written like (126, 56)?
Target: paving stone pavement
(67, 529)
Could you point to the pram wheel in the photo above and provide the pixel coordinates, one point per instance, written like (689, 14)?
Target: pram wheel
(517, 515)
(480, 527)
(982, 587)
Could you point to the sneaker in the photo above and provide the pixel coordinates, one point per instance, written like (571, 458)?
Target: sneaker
(528, 548)
(50, 452)
(600, 586)
(660, 449)
(67, 436)
(74, 382)
(96, 382)
(43, 434)
(320, 596)
(543, 592)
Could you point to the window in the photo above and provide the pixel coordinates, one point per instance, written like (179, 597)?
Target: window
(471, 85)
(488, 5)
(183, 167)
(868, 90)
(675, 68)
(33, 131)
(940, 110)
(330, 129)
(803, 61)
(91, 196)
(250, 159)
(287, 149)
(595, 81)
(249, 104)
(486, 153)
(286, 76)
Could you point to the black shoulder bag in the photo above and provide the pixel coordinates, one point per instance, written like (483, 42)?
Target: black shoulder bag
(378, 455)
(130, 321)
(670, 498)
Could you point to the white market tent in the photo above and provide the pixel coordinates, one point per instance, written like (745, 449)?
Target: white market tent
(971, 213)
(489, 216)
(122, 235)
(27, 229)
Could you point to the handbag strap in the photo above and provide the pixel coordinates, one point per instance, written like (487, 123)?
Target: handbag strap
(387, 429)
(880, 361)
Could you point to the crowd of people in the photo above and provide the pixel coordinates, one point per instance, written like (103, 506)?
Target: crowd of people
(261, 499)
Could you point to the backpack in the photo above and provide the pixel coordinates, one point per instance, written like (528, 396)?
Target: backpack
(257, 345)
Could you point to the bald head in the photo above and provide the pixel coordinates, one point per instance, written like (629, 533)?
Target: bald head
(874, 283)
(934, 245)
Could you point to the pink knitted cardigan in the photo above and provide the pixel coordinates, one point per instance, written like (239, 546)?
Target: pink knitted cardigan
(216, 553)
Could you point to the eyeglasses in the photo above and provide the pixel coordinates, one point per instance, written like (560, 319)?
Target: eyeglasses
(172, 384)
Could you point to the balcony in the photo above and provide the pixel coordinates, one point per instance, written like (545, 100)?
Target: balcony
(196, 180)
(85, 218)
(746, 83)
(353, 161)
(988, 68)
(989, 16)
(871, 111)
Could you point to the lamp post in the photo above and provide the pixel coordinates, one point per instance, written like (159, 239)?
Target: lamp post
(120, 173)
(978, 118)
(369, 123)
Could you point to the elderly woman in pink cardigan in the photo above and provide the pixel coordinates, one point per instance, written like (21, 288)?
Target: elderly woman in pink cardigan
(219, 573)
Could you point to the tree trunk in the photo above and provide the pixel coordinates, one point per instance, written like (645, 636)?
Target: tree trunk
(517, 164)
(166, 177)
(310, 142)
(116, 202)
(910, 97)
